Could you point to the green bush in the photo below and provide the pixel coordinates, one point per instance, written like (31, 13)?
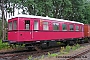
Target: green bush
(74, 48)
(68, 48)
(77, 46)
(3, 45)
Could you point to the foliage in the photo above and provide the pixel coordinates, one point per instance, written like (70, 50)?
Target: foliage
(3, 45)
(76, 10)
(86, 40)
(68, 48)
(30, 57)
(60, 43)
(49, 55)
(54, 55)
(42, 57)
(77, 46)
(74, 48)
(62, 49)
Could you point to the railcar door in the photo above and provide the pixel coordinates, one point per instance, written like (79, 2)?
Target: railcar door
(26, 33)
(35, 29)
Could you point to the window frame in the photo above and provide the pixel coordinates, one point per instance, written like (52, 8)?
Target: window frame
(11, 25)
(37, 25)
(25, 27)
(16, 24)
(76, 28)
(58, 26)
(45, 23)
(71, 27)
(65, 28)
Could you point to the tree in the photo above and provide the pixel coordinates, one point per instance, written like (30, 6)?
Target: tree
(76, 10)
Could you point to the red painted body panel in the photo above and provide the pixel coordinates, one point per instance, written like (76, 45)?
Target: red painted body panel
(13, 36)
(19, 36)
(26, 36)
(56, 35)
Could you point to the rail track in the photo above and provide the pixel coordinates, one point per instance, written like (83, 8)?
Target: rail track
(80, 54)
(17, 55)
(13, 56)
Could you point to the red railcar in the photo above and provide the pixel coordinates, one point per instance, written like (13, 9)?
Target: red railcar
(87, 30)
(28, 29)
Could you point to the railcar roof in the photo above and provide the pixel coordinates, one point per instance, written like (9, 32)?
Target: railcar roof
(47, 18)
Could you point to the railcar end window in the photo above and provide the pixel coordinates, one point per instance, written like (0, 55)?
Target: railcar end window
(35, 25)
(10, 25)
(71, 27)
(77, 28)
(45, 26)
(14, 25)
(82, 28)
(64, 27)
(55, 26)
(27, 24)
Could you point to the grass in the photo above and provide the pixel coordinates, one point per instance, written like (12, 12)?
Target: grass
(3, 45)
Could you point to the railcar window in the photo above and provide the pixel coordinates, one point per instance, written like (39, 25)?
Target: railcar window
(35, 25)
(45, 26)
(71, 27)
(55, 26)
(64, 27)
(10, 26)
(27, 24)
(77, 28)
(14, 25)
